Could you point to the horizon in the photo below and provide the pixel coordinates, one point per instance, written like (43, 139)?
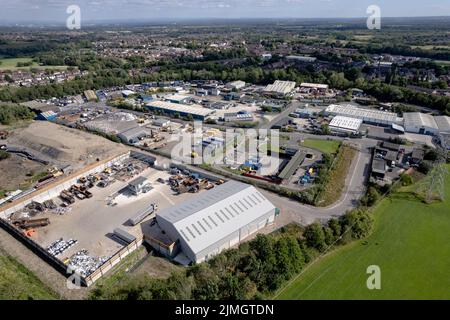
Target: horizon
(131, 11)
(208, 20)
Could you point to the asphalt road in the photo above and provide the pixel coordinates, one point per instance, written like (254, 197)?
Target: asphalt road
(282, 115)
(305, 214)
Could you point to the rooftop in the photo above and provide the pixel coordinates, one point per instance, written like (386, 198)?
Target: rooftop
(314, 85)
(283, 87)
(181, 108)
(419, 119)
(362, 113)
(346, 123)
(443, 123)
(213, 215)
(138, 181)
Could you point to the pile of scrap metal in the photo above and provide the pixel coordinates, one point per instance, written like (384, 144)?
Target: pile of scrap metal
(189, 184)
(62, 210)
(84, 264)
(50, 205)
(80, 192)
(89, 181)
(60, 245)
(31, 223)
(35, 208)
(67, 197)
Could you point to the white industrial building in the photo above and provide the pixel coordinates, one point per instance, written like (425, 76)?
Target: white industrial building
(139, 185)
(177, 98)
(443, 123)
(196, 111)
(280, 87)
(342, 124)
(301, 58)
(237, 116)
(371, 116)
(237, 85)
(316, 86)
(216, 220)
(421, 123)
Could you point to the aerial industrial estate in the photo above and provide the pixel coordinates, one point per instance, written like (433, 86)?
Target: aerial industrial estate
(205, 162)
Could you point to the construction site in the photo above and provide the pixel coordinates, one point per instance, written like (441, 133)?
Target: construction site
(88, 221)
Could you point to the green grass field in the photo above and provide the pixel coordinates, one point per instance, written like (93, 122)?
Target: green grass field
(411, 245)
(324, 146)
(11, 64)
(17, 283)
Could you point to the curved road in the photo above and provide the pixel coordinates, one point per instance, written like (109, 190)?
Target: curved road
(304, 214)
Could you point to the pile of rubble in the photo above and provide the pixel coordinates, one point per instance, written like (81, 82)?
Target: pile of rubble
(62, 210)
(84, 264)
(35, 208)
(60, 245)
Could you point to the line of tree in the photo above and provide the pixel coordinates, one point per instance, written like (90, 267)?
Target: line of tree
(11, 113)
(111, 73)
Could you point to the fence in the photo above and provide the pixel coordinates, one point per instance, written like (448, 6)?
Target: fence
(33, 246)
(114, 260)
(60, 266)
(53, 190)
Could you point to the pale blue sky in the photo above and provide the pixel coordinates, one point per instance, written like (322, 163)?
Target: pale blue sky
(98, 10)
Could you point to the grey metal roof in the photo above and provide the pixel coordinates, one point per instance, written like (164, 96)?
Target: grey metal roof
(213, 215)
(138, 181)
(419, 119)
(379, 166)
(133, 133)
(293, 165)
(362, 113)
(443, 123)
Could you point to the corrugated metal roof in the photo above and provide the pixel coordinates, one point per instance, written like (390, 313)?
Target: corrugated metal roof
(362, 113)
(282, 87)
(178, 107)
(443, 123)
(215, 214)
(347, 123)
(133, 133)
(293, 165)
(418, 119)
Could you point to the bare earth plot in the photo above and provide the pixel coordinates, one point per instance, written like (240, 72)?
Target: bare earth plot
(156, 267)
(15, 170)
(62, 145)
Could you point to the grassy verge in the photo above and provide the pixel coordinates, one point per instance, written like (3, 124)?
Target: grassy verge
(410, 244)
(11, 64)
(332, 189)
(18, 283)
(324, 146)
(118, 273)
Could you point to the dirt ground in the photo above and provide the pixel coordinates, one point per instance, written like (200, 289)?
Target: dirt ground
(156, 267)
(15, 170)
(62, 145)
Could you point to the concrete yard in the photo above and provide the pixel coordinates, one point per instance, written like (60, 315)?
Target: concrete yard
(92, 221)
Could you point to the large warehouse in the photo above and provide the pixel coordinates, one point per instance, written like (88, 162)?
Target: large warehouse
(342, 124)
(422, 123)
(280, 87)
(216, 220)
(443, 123)
(371, 116)
(197, 112)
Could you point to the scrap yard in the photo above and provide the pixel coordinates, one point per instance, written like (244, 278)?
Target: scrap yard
(90, 217)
